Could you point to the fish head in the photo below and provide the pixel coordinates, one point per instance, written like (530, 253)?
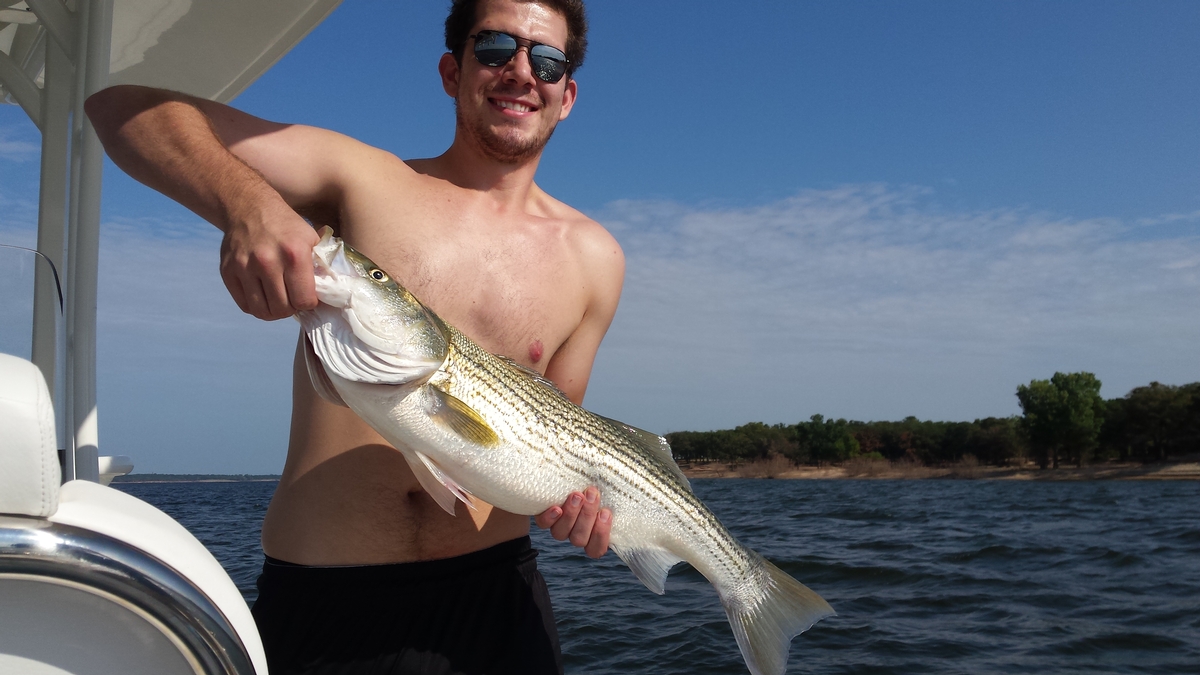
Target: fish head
(367, 327)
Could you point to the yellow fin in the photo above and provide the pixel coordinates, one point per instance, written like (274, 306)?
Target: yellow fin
(453, 415)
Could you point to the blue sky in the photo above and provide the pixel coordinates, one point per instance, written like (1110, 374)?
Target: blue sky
(859, 209)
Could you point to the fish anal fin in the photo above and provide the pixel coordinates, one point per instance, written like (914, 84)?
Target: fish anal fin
(452, 414)
(447, 484)
(650, 564)
(318, 376)
(655, 444)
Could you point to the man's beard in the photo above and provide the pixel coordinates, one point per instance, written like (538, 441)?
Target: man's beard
(506, 148)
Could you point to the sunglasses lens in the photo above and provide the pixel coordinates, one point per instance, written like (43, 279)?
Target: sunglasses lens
(549, 64)
(494, 49)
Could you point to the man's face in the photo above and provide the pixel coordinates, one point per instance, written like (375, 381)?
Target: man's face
(505, 111)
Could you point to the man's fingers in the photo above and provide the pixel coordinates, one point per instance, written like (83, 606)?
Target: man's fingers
(581, 520)
(234, 285)
(570, 512)
(597, 546)
(581, 533)
(301, 287)
(250, 298)
(298, 271)
(548, 517)
(269, 274)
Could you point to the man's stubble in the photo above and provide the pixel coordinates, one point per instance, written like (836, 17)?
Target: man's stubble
(506, 147)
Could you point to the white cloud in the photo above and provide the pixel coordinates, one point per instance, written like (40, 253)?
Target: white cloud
(867, 301)
(874, 302)
(1170, 218)
(16, 149)
(187, 383)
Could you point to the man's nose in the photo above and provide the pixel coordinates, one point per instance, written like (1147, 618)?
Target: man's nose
(519, 69)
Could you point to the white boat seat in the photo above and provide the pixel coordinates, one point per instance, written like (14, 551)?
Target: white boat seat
(30, 473)
(95, 581)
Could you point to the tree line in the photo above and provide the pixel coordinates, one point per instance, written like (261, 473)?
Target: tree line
(1064, 420)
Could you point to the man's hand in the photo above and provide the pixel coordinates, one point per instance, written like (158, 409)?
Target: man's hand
(267, 267)
(581, 520)
(236, 171)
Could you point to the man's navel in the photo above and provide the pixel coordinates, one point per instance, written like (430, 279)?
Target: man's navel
(535, 351)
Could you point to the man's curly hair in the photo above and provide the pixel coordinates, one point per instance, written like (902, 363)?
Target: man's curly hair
(462, 18)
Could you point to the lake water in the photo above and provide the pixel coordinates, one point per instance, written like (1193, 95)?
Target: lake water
(926, 576)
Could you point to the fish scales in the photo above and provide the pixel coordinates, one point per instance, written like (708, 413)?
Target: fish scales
(593, 434)
(645, 475)
(470, 423)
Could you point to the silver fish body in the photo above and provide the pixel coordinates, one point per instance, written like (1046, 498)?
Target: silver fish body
(472, 424)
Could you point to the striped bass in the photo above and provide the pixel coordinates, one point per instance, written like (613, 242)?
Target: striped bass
(475, 425)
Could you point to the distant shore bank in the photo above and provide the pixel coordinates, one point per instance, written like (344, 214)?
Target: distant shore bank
(1185, 469)
(195, 478)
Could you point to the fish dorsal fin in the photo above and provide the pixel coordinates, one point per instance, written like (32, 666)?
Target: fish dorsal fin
(531, 374)
(655, 444)
(650, 564)
(453, 415)
(317, 375)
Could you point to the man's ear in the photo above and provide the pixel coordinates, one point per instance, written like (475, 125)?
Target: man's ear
(449, 70)
(568, 99)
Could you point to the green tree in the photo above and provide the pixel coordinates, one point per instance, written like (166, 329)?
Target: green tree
(1062, 416)
(769, 440)
(1157, 418)
(1115, 436)
(827, 440)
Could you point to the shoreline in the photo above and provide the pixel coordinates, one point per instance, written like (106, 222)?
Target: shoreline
(1186, 469)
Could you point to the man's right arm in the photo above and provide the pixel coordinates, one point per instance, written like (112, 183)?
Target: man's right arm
(245, 175)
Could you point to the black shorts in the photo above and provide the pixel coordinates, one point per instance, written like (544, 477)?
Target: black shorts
(484, 612)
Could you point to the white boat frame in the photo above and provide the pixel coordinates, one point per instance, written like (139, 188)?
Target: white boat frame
(67, 47)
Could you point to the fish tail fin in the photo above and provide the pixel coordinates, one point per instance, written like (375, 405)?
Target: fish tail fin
(766, 618)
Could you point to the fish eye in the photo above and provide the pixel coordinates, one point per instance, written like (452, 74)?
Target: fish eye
(379, 275)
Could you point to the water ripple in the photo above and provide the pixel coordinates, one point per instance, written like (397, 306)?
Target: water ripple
(926, 576)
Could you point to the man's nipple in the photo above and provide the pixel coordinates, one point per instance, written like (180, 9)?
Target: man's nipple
(535, 351)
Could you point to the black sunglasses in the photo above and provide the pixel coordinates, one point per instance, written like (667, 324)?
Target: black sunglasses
(494, 49)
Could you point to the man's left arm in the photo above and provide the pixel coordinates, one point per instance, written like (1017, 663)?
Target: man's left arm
(580, 518)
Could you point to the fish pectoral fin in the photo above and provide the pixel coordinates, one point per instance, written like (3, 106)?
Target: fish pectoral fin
(650, 564)
(453, 415)
(445, 486)
(655, 444)
(317, 375)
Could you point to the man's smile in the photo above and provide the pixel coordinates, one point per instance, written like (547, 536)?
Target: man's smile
(513, 106)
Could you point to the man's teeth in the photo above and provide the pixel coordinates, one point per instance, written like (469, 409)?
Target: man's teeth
(512, 105)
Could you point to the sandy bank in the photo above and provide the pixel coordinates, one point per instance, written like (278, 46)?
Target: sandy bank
(1186, 469)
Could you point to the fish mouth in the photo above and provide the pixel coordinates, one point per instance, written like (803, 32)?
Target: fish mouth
(330, 266)
(326, 251)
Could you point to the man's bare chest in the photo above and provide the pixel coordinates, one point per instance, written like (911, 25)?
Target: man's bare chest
(515, 288)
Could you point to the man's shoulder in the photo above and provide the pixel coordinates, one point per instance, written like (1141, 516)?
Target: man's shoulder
(589, 237)
(597, 252)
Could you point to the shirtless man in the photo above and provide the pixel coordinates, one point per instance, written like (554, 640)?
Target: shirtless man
(365, 573)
